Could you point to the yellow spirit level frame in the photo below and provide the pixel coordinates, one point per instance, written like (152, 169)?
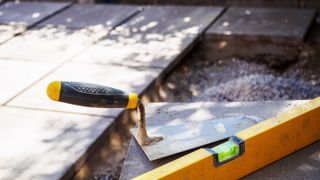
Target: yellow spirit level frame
(250, 149)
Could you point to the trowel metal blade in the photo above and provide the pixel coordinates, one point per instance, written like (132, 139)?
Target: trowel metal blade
(186, 136)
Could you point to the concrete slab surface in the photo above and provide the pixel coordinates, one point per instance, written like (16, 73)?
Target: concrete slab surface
(28, 13)
(62, 42)
(56, 44)
(16, 17)
(125, 78)
(9, 31)
(279, 25)
(44, 145)
(90, 15)
(18, 75)
(155, 37)
(303, 164)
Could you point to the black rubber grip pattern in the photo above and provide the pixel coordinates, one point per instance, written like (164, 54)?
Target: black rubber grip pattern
(92, 95)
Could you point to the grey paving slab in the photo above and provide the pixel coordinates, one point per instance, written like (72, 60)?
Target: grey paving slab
(16, 17)
(28, 13)
(44, 145)
(279, 25)
(89, 15)
(125, 78)
(56, 44)
(9, 31)
(61, 42)
(299, 165)
(155, 37)
(17, 75)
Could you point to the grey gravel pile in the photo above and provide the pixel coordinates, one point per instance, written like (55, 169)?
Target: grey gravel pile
(259, 87)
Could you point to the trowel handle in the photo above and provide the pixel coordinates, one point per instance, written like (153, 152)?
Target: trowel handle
(91, 95)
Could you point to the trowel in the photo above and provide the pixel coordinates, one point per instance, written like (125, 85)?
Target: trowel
(165, 140)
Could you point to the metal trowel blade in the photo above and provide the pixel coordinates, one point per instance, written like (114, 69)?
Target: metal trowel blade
(186, 136)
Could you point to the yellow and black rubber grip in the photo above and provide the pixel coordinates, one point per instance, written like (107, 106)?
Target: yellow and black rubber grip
(91, 95)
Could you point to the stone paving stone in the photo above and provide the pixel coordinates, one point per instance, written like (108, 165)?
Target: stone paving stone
(278, 25)
(125, 78)
(16, 17)
(44, 145)
(89, 15)
(56, 41)
(18, 75)
(294, 166)
(28, 13)
(156, 37)
(56, 44)
(8, 31)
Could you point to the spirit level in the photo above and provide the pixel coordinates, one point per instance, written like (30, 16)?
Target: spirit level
(248, 150)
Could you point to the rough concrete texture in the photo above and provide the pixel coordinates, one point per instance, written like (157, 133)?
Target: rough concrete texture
(278, 25)
(294, 166)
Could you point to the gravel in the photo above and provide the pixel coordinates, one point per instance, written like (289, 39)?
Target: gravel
(202, 78)
(258, 87)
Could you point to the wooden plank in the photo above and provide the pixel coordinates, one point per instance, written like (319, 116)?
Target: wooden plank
(156, 37)
(18, 75)
(57, 41)
(44, 145)
(137, 163)
(269, 24)
(125, 78)
(16, 17)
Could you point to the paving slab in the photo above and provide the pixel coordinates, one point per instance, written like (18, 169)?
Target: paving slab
(89, 15)
(18, 75)
(44, 145)
(294, 166)
(276, 25)
(156, 37)
(55, 44)
(16, 17)
(28, 13)
(125, 78)
(59, 41)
